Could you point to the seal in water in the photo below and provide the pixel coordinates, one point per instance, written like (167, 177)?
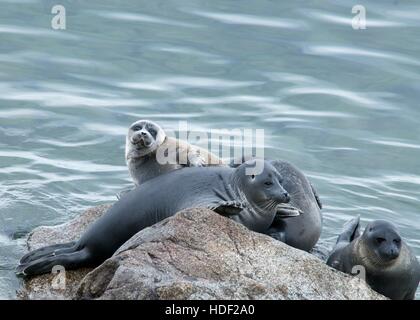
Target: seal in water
(251, 200)
(303, 231)
(145, 138)
(389, 265)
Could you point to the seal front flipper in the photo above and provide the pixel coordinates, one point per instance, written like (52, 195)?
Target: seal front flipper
(351, 230)
(284, 210)
(279, 235)
(227, 208)
(318, 200)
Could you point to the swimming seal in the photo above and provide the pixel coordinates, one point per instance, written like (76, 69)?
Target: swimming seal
(252, 200)
(146, 140)
(389, 265)
(303, 231)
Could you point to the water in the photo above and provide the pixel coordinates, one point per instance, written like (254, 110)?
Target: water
(341, 104)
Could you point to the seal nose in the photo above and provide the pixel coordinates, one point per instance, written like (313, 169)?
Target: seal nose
(137, 137)
(143, 133)
(393, 253)
(286, 197)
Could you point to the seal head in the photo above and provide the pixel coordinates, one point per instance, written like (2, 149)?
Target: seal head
(381, 238)
(260, 193)
(143, 138)
(263, 189)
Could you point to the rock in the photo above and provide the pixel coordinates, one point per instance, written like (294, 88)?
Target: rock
(42, 287)
(196, 254)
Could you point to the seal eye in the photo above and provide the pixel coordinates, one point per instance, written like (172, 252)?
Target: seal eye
(253, 176)
(397, 241)
(136, 128)
(380, 240)
(152, 132)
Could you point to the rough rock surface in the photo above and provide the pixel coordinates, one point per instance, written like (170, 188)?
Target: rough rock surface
(197, 254)
(42, 287)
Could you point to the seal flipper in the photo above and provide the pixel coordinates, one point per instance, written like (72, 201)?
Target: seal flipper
(278, 230)
(227, 208)
(46, 251)
(72, 260)
(351, 230)
(318, 200)
(284, 210)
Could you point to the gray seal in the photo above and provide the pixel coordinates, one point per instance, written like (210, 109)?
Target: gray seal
(302, 231)
(146, 141)
(386, 261)
(252, 200)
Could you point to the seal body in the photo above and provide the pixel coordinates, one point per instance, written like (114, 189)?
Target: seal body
(248, 199)
(149, 152)
(380, 255)
(302, 231)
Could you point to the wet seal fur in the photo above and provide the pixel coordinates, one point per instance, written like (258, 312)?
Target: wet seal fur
(389, 265)
(251, 200)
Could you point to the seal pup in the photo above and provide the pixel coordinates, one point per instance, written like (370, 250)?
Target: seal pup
(389, 265)
(145, 138)
(251, 200)
(303, 231)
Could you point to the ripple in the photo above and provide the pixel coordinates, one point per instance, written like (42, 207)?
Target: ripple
(108, 129)
(251, 20)
(397, 144)
(63, 99)
(134, 17)
(82, 166)
(347, 20)
(209, 58)
(249, 99)
(24, 113)
(59, 143)
(355, 98)
(175, 83)
(349, 51)
(38, 32)
(26, 57)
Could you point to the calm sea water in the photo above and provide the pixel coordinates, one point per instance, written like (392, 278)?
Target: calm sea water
(341, 104)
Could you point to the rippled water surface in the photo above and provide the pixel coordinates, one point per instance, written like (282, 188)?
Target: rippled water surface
(341, 104)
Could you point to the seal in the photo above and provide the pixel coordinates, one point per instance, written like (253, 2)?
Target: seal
(387, 262)
(146, 138)
(302, 231)
(252, 200)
